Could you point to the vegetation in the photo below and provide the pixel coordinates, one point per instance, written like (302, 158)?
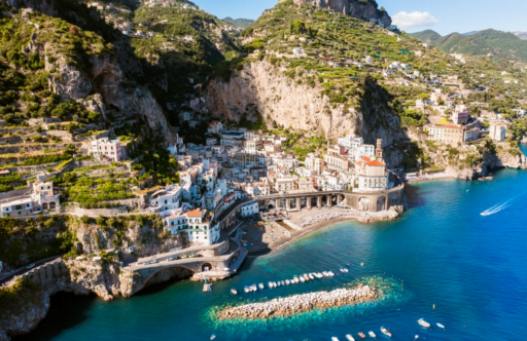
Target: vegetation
(18, 297)
(26, 241)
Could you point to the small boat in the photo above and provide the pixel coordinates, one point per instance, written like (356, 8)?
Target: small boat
(372, 334)
(207, 287)
(334, 338)
(440, 325)
(234, 292)
(361, 335)
(386, 332)
(362, 264)
(423, 323)
(213, 337)
(261, 286)
(344, 270)
(349, 337)
(416, 336)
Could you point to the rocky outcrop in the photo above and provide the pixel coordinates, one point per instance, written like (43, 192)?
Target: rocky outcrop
(367, 10)
(261, 89)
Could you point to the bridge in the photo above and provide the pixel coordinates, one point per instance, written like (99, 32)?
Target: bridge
(363, 201)
(212, 262)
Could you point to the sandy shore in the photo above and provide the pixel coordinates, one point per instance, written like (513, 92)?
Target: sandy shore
(271, 237)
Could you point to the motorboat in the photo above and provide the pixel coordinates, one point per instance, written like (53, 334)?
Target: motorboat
(334, 338)
(423, 323)
(349, 337)
(234, 292)
(386, 332)
(361, 335)
(372, 334)
(440, 325)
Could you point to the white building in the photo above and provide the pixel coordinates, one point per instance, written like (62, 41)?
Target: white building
(371, 175)
(41, 199)
(498, 131)
(249, 209)
(194, 226)
(166, 199)
(104, 148)
(285, 185)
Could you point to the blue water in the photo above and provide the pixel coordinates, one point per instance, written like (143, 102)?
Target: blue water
(442, 253)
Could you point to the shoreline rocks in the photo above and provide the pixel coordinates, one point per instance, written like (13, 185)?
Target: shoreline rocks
(302, 303)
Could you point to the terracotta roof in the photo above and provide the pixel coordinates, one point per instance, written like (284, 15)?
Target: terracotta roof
(375, 163)
(196, 213)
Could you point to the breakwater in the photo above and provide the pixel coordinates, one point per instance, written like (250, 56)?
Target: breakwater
(302, 303)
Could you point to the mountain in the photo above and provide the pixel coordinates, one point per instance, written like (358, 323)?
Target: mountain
(239, 22)
(501, 46)
(521, 35)
(367, 10)
(427, 36)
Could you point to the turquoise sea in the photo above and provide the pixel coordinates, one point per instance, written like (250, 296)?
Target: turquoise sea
(442, 254)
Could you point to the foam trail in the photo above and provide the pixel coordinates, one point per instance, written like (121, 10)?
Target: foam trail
(500, 207)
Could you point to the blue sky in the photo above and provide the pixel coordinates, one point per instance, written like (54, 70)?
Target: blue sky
(444, 16)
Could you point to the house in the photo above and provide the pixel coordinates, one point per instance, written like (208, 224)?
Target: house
(336, 159)
(460, 117)
(249, 209)
(195, 226)
(498, 130)
(42, 198)
(285, 184)
(451, 134)
(104, 148)
(166, 199)
(313, 164)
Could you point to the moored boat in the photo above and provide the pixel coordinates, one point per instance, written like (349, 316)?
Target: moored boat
(440, 325)
(234, 292)
(361, 335)
(423, 323)
(334, 338)
(386, 331)
(372, 334)
(349, 337)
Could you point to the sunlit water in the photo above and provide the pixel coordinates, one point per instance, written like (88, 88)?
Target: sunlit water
(443, 253)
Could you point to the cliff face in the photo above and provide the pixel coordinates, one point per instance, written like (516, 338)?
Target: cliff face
(364, 10)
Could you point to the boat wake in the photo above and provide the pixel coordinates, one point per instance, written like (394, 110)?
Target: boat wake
(496, 208)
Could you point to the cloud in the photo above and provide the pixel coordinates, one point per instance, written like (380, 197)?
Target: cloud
(409, 20)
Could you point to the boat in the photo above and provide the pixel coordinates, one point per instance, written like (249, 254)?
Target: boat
(372, 334)
(234, 292)
(349, 337)
(261, 286)
(361, 335)
(386, 332)
(334, 338)
(440, 325)
(416, 336)
(423, 323)
(213, 337)
(207, 287)
(344, 270)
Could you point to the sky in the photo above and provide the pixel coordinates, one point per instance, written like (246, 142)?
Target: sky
(443, 16)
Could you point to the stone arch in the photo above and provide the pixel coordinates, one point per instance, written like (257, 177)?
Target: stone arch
(364, 204)
(381, 203)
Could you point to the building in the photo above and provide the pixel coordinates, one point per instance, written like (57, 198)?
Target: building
(249, 209)
(451, 134)
(498, 130)
(42, 198)
(460, 117)
(194, 226)
(103, 148)
(166, 199)
(371, 175)
(285, 185)
(336, 159)
(313, 164)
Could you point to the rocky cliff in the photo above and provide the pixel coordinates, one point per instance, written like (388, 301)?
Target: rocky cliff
(365, 10)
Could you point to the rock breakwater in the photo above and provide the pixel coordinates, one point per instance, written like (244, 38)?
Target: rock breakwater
(302, 303)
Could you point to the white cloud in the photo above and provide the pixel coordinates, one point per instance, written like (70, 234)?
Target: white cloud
(409, 20)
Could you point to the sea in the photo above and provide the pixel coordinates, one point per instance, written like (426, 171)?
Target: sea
(457, 257)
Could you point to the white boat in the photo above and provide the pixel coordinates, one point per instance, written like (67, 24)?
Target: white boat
(334, 338)
(372, 334)
(440, 325)
(416, 336)
(423, 323)
(261, 286)
(361, 335)
(207, 287)
(344, 270)
(386, 332)
(213, 337)
(234, 292)
(349, 337)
